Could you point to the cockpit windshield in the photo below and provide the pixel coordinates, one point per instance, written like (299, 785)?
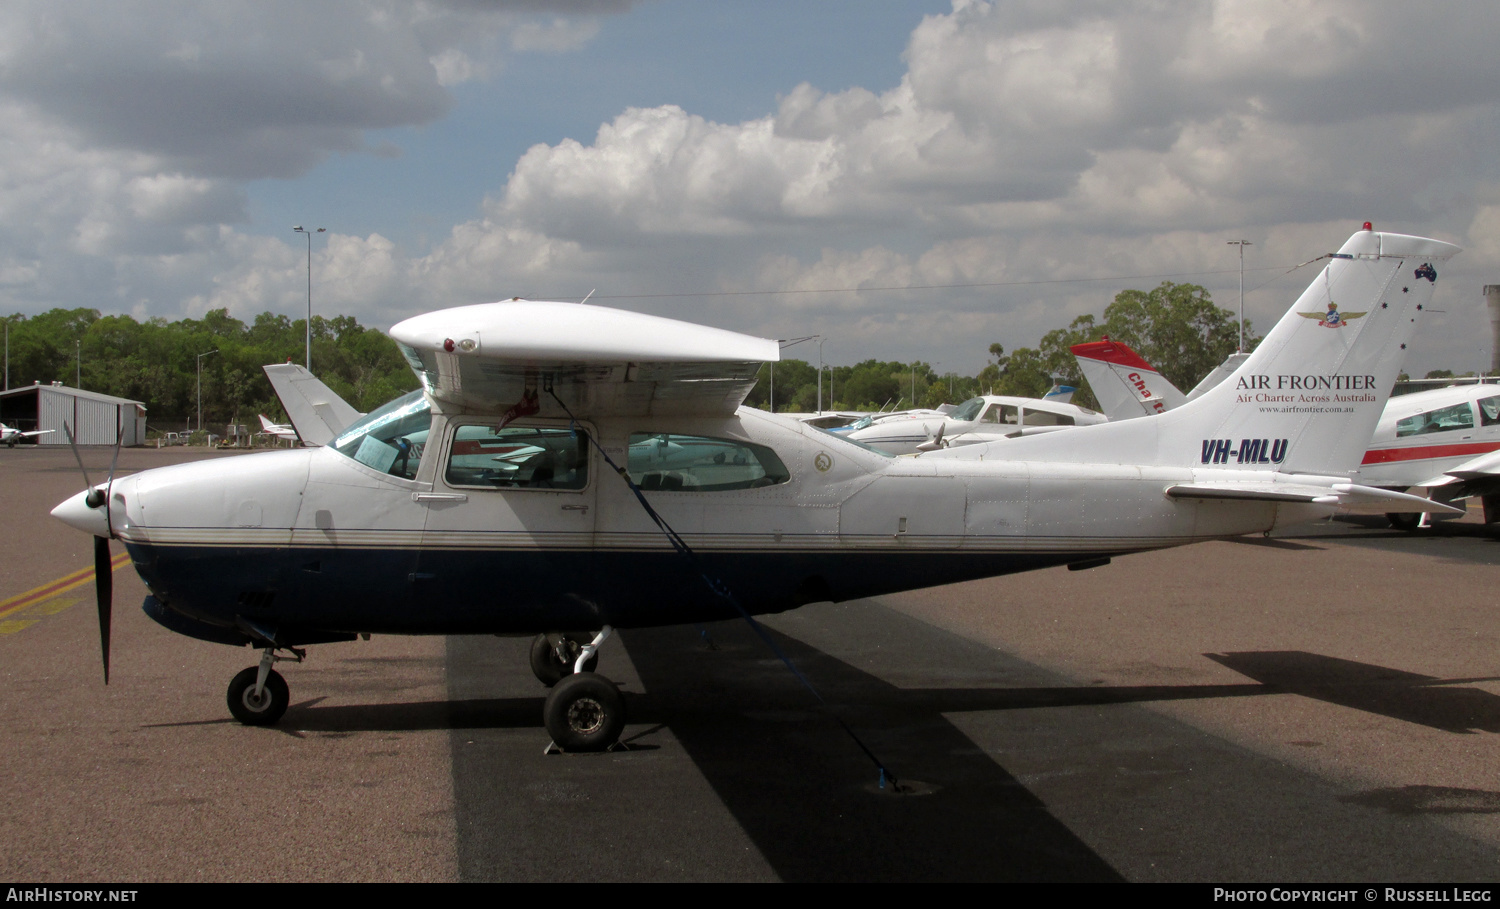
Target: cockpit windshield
(390, 439)
(968, 411)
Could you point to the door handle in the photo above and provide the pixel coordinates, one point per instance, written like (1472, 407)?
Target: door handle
(582, 508)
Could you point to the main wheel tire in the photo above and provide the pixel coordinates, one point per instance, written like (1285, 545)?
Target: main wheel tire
(258, 711)
(584, 712)
(1404, 520)
(545, 665)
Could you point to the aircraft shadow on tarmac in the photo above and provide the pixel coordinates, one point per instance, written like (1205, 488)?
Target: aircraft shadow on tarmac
(1409, 696)
(804, 793)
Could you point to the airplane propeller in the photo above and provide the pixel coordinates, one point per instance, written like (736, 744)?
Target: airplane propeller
(94, 497)
(933, 443)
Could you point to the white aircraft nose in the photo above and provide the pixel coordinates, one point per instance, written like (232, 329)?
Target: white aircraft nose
(75, 512)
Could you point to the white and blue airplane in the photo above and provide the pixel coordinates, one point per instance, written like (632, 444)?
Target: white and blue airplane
(488, 501)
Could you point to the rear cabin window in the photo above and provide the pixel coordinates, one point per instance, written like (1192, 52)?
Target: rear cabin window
(671, 462)
(518, 457)
(1459, 416)
(1044, 418)
(1489, 410)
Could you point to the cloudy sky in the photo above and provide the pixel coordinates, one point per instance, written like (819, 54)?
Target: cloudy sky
(910, 179)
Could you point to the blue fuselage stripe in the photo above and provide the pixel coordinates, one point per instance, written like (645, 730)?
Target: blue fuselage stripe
(510, 591)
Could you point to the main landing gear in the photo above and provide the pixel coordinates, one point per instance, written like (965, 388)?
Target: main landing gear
(584, 710)
(554, 656)
(258, 696)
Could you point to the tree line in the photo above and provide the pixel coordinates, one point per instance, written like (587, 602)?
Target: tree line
(156, 362)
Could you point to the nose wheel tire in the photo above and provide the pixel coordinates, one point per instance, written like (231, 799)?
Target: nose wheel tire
(258, 710)
(549, 667)
(584, 712)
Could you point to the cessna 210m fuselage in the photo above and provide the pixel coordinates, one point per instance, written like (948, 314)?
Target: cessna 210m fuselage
(485, 503)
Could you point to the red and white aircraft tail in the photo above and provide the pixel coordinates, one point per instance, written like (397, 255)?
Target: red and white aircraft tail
(1125, 385)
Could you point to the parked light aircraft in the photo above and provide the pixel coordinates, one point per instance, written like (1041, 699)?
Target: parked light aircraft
(987, 418)
(1445, 441)
(412, 522)
(10, 436)
(279, 430)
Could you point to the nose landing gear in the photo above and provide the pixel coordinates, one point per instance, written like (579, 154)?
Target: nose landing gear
(258, 695)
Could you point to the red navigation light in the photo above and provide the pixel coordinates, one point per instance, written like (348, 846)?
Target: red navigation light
(448, 345)
(1369, 226)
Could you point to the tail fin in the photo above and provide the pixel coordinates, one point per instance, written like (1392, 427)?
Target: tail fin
(1125, 385)
(1218, 374)
(1059, 393)
(1307, 400)
(315, 411)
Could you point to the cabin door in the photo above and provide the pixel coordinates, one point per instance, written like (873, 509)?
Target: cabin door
(509, 534)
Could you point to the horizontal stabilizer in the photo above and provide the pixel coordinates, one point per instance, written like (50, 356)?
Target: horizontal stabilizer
(1350, 496)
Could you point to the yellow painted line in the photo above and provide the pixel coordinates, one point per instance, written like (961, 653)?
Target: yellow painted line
(53, 606)
(12, 626)
(61, 585)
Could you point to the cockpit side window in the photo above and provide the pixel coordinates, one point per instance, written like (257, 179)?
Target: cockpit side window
(668, 461)
(518, 457)
(392, 438)
(1459, 416)
(1001, 413)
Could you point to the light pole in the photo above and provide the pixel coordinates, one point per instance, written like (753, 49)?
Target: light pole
(302, 230)
(78, 351)
(821, 342)
(200, 385)
(1241, 244)
(784, 345)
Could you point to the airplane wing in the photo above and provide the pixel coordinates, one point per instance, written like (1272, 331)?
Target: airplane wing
(1478, 476)
(1125, 385)
(1350, 496)
(317, 414)
(495, 356)
(37, 432)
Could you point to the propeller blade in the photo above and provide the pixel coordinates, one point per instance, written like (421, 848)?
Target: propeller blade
(109, 484)
(104, 594)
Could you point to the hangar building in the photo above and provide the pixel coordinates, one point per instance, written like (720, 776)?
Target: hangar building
(94, 418)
